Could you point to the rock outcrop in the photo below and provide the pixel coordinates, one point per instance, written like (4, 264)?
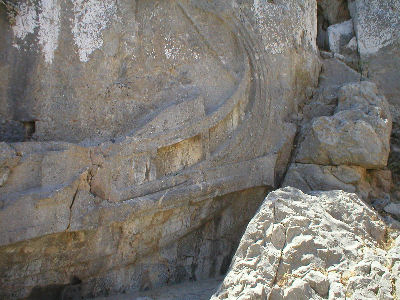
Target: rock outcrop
(377, 27)
(141, 136)
(138, 138)
(344, 139)
(357, 134)
(325, 245)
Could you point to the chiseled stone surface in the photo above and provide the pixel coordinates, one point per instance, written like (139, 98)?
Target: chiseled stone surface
(142, 136)
(322, 245)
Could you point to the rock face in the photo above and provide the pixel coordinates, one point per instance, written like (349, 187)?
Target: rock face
(344, 139)
(326, 245)
(136, 143)
(377, 26)
(339, 35)
(105, 70)
(357, 134)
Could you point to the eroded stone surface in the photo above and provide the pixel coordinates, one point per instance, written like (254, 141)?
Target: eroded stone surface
(357, 134)
(316, 246)
(340, 35)
(169, 102)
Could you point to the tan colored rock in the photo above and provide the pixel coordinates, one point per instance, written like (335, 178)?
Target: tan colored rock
(150, 151)
(311, 177)
(357, 134)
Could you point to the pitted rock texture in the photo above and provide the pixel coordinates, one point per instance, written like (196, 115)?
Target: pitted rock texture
(325, 245)
(377, 26)
(146, 135)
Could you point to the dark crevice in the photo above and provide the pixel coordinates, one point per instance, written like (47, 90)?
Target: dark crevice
(322, 27)
(30, 128)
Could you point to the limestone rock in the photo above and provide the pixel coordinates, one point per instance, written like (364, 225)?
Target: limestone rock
(357, 134)
(377, 26)
(311, 177)
(4, 173)
(141, 151)
(336, 74)
(331, 249)
(330, 12)
(339, 35)
(318, 281)
(393, 208)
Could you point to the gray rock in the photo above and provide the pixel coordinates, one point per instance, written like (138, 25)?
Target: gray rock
(319, 231)
(392, 223)
(310, 177)
(377, 27)
(363, 267)
(357, 134)
(339, 35)
(393, 208)
(300, 289)
(336, 74)
(334, 11)
(352, 45)
(336, 291)
(4, 173)
(376, 24)
(318, 281)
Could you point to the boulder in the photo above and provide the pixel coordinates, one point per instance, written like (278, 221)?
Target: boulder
(376, 24)
(311, 177)
(357, 134)
(394, 209)
(330, 12)
(312, 246)
(339, 35)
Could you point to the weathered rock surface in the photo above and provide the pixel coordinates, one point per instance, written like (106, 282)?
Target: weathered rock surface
(140, 148)
(339, 35)
(328, 154)
(105, 70)
(357, 134)
(377, 26)
(326, 245)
